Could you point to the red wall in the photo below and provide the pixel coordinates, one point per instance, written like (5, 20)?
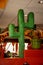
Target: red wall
(12, 61)
(32, 56)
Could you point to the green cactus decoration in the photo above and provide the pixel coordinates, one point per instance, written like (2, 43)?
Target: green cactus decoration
(11, 30)
(30, 21)
(20, 34)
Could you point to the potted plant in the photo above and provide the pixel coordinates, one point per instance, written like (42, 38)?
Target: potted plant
(35, 42)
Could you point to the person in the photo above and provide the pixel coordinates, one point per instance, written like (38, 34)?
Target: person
(8, 54)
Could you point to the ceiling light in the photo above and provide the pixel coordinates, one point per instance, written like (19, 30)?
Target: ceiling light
(40, 2)
(25, 15)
